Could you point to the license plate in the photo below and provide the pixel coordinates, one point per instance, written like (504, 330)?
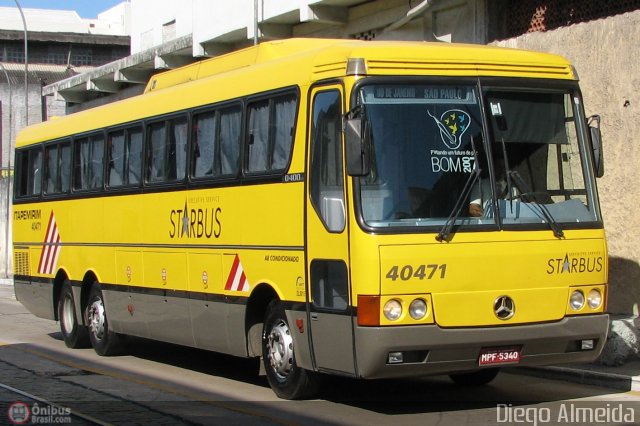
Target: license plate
(493, 356)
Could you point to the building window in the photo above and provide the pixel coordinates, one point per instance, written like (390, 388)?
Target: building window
(169, 31)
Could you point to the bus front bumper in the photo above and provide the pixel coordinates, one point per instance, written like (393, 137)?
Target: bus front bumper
(429, 350)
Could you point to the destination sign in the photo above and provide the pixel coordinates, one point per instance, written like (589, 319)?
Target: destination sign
(419, 93)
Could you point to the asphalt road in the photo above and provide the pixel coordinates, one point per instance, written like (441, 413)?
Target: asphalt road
(43, 381)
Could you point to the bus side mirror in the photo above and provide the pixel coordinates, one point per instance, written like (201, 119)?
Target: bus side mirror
(596, 145)
(358, 140)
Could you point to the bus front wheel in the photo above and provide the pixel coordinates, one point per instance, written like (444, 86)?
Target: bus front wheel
(287, 380)
(104, 341)
(74, 333)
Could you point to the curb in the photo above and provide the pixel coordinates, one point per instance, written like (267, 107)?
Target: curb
(585, 376)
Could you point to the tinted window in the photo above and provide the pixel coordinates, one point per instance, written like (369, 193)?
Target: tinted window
(29, 173)
(167, 150)
(125, 154)
(57, 165)
(216, 147)
(88, 163)
(270, 131)
(329, 284)
(327, 184)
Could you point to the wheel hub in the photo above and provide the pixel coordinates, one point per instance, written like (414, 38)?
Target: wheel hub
(96, 319)
(280, 349)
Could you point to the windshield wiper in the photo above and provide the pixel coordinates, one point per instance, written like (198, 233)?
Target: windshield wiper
(446, 229)
(524, 189)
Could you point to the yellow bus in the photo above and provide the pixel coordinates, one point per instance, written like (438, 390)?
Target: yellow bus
(367, 209)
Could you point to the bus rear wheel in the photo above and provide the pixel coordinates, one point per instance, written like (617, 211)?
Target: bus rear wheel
(104, 341)
(287, 380)
(74, 334)
(475, 378)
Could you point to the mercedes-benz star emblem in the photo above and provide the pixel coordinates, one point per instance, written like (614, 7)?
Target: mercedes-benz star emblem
(504, 307)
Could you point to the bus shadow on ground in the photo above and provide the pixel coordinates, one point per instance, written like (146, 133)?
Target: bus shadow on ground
(439, 393)
(389, 396)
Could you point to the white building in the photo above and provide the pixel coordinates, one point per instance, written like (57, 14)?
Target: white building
(166, 34)
(114, 21)
(60, 44)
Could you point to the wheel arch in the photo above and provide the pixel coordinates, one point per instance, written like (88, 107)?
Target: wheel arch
(257, 305)
(89, 278)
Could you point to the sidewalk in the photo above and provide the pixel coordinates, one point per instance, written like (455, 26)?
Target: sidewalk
(625, 377)
(619, 363)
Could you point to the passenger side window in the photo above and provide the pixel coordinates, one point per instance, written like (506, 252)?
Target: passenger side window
(117, 159)
(29, 165)
(88, 163)
(230, 132)
(216, 146)
(134, 156)
(57, 164)
(167, 150)
(270, 132)
(124, 149)
(204, 144)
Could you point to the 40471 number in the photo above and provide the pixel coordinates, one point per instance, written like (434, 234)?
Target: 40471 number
(421, 272)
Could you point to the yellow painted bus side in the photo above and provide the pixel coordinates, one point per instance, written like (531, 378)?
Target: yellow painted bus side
(246, 262)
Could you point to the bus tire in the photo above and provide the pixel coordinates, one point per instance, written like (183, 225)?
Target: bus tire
(287, 380)
(104, 341)
(475, 378)
(74, 334)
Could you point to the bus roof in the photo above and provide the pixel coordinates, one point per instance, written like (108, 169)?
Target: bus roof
(330, 59)
(299, 61)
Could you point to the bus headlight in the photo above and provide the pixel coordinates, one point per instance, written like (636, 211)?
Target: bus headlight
(576, 301)
(594, 299)
(418, 309)
(392, 310)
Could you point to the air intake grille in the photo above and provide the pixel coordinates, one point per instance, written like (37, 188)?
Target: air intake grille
(21, 263)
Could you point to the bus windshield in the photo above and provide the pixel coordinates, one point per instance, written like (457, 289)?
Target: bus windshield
(428, 140)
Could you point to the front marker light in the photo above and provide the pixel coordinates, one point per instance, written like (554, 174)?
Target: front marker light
(576, 301)
(594, 299)
(392, 310)
(368, 310)
(418, 309)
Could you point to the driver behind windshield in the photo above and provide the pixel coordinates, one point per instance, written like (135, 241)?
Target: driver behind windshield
(481, 192)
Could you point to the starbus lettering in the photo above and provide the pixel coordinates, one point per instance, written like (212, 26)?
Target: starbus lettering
(195, 223)
(574, 264)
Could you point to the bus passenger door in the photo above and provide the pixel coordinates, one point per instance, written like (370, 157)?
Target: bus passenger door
(328, 304)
